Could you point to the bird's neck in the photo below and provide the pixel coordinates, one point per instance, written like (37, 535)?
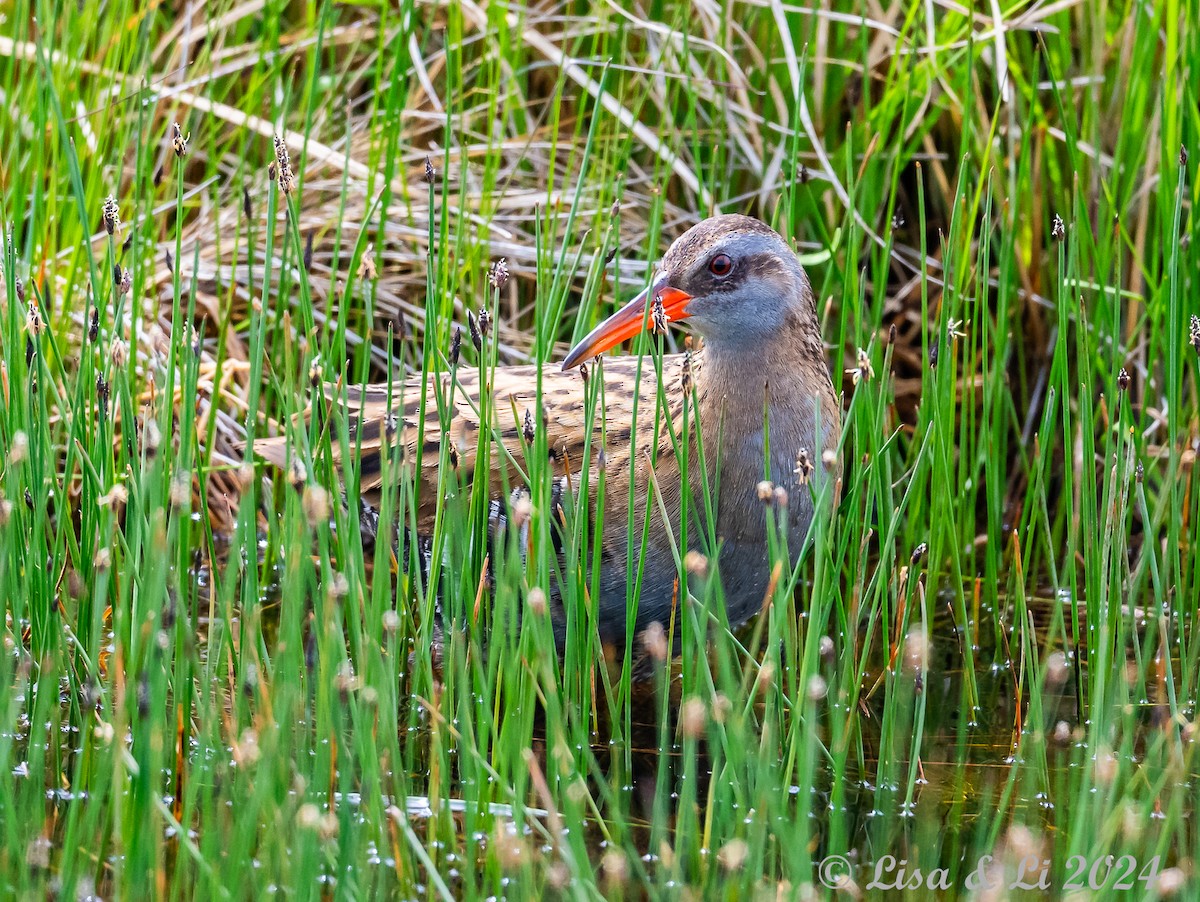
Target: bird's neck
(785, 385)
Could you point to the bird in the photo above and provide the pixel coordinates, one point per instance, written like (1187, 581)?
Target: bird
(757, 390)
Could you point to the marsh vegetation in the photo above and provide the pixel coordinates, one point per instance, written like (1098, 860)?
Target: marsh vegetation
(212, 686)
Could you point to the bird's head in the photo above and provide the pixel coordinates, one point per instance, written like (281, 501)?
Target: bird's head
(733, 277)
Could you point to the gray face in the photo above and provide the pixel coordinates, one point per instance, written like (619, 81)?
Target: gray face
(746, 283)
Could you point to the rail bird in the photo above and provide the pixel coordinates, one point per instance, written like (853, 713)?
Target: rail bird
(761, 404)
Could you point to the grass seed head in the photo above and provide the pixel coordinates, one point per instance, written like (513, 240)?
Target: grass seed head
(916, 651)
(558, 876)
(817, 688)
(430, 174)
(19, 451)
(104, 732)
(722, 707)
(658, 317)
(116, 496)
(766, 677)
(283, 166)
(826, 650)
(297, 474)
(733, 855)
(862, 371)
(102, 394)
(1058, 229)
(1194, 332)
(346, 681)
(804, 467)
(33, 320)
(1171, 883)
(536, 600)
(245, 475)
(111, 214)
(1062, 733)
(250, 681)
(316, 505)
(1106, 767)
(615, 867)
(654, 639)
(366, 266)
(178, 142)
(695, 563)
(339, 586)
(1058, 668)
(692, 718)
(181, 491)
(1123, 380)
(510, 847)
(522, 510)
(766, 491)
(473, 326)
(1021, 843)
(308, 816)
(498, 274)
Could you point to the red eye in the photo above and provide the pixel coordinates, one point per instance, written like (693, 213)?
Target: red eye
(720, 265)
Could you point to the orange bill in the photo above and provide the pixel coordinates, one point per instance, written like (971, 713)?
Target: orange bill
(629, 321)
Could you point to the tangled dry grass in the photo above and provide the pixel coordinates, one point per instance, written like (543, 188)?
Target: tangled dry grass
(503, 103)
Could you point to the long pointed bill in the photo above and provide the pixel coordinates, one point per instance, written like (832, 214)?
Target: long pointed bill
(629, 321)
